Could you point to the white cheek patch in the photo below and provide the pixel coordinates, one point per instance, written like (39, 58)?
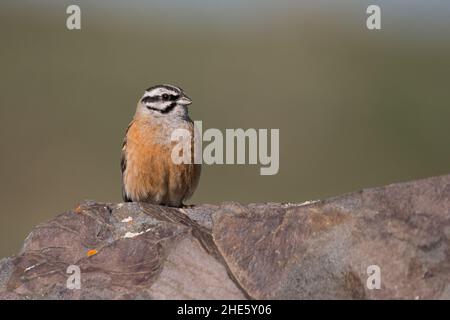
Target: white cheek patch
(160, 105)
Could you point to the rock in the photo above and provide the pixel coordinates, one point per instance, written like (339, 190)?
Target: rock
(317, 250)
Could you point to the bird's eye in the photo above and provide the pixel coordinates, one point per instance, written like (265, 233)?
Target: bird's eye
(165, 96)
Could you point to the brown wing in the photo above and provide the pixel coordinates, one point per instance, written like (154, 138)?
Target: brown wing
(197, 168)
(123, 163)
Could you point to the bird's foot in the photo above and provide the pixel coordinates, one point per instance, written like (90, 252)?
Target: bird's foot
(187, 206)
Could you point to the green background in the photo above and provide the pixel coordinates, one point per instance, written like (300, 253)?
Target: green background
(355, 108)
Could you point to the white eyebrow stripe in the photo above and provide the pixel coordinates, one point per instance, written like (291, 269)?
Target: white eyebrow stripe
(159, 91)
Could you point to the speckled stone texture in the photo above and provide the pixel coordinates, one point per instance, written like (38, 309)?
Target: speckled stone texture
(318, 250)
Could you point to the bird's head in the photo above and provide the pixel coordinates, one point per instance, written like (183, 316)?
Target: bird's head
(164, 100)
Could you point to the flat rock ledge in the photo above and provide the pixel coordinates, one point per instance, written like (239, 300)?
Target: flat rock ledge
(330, 249)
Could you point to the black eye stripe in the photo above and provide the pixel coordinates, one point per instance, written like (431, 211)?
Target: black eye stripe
(149, 99)
(171, 97)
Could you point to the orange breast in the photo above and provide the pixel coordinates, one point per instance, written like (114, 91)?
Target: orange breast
(150, 174)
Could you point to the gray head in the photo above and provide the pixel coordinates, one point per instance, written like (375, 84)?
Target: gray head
(164, 100)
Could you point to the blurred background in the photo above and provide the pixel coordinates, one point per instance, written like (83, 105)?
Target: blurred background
(355, 108)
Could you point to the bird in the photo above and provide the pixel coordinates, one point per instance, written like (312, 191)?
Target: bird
(148, 172)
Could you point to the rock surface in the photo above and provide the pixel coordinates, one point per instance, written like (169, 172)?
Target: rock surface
(318, 250)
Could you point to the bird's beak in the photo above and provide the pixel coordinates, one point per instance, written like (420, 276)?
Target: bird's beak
(184, 100)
